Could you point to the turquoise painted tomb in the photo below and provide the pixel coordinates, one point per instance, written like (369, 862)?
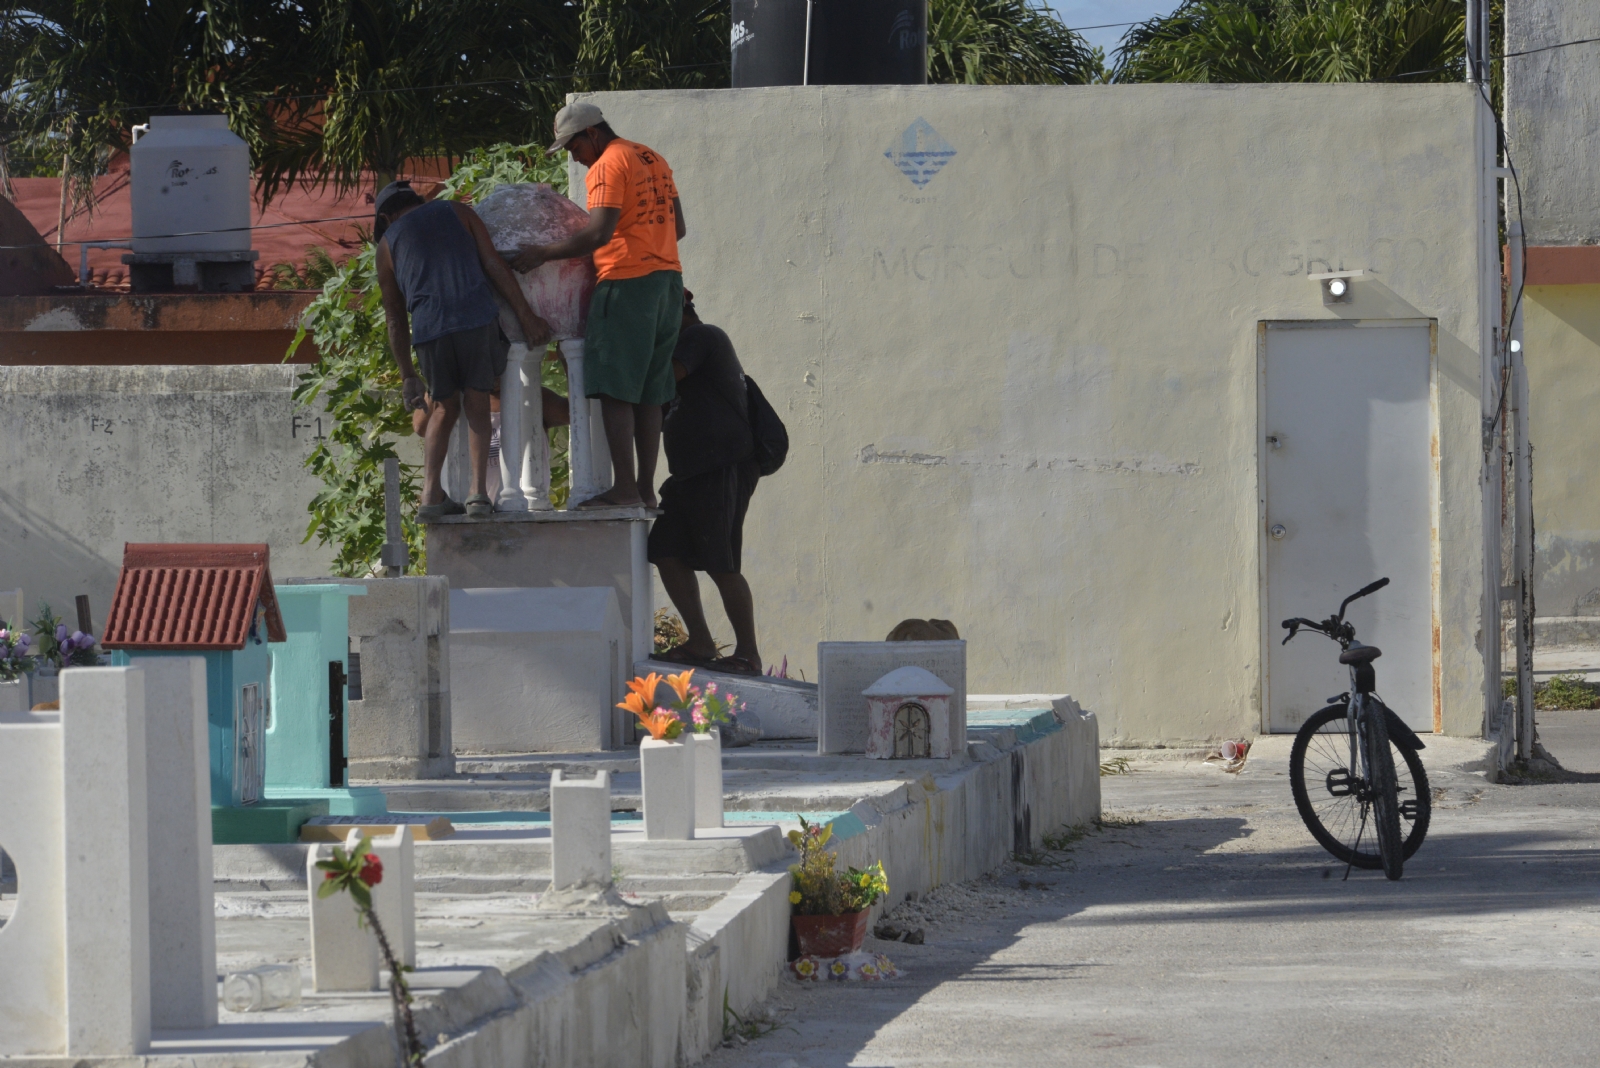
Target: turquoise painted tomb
(308, 734)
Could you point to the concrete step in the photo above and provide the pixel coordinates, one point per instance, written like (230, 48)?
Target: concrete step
(518, 861)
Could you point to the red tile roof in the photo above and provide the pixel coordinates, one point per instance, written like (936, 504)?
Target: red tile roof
(191, 597)
(296, 219)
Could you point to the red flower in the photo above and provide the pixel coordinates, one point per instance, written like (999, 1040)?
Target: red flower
(330, 875)
(371, 870)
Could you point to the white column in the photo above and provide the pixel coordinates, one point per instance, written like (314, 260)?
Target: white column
(394, 899)
(107, 862)
(511, 496)
(580, 831)
(183, 930)
(642, 622)
(343, 955)
(535, 454)
(580, 457)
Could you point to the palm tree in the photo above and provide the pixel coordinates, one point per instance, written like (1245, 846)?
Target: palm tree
(1298, 41)
(1005, 42)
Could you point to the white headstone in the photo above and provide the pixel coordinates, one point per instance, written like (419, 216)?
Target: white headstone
(106, 862)
(344, 955)
(845, 669)
(394, 899)
(580, 830)
(183, 934)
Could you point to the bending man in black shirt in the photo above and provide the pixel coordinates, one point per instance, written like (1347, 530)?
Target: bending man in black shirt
(710, 452)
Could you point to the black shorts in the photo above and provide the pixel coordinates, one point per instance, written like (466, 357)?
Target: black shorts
(468, 359)
(702, 521)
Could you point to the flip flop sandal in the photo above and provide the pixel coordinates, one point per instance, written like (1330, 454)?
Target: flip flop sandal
(676, 655)
(735, 665)
(478, 505)
(440, 510)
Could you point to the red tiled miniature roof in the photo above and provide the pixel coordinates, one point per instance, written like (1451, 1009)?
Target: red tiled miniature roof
(191, 597)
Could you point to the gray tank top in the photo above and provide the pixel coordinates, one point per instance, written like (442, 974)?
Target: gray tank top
(436, 265)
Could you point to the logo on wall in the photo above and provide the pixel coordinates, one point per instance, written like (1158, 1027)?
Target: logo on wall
(921, 153)
(740, 35)
(903, 34)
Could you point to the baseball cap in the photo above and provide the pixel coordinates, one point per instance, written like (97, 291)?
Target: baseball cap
(573, 119)
(388, 191)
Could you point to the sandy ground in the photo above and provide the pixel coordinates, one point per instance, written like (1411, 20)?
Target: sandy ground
(1202, 926)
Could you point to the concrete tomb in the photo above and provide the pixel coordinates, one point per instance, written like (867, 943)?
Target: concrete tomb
(667, 785)
(846, 669)
(908, 716)
(399, 710)
(562, 549)
(536, 670)
(580, 831)
(308, 734)
(344, 954)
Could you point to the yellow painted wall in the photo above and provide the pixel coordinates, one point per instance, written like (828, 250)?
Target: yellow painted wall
(1561, 332)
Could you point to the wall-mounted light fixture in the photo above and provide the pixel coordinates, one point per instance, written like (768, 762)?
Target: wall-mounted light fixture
(1337, 286)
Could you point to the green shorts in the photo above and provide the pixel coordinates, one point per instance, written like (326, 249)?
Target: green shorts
(633, 330)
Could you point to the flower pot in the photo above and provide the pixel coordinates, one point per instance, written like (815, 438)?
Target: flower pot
(15, 698)
(831, 936)
(707, 778)
(666, 771)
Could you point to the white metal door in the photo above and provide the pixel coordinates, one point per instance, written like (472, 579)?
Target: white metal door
(1347, 477)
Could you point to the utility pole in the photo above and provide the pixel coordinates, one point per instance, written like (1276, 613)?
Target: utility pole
(1490, 340)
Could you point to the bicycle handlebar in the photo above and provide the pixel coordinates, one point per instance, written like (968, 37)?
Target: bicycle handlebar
(1334, 627)
(1373, 587)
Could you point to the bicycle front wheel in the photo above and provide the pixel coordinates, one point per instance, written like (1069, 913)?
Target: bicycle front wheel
(1330, 794)
(1379, 759)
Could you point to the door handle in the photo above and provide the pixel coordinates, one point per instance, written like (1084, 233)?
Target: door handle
(1277, 530)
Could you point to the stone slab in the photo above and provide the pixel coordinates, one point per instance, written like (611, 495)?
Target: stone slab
(262, 823)
(844, 669)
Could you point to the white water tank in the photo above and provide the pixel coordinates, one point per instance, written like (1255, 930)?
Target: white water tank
(191, 175)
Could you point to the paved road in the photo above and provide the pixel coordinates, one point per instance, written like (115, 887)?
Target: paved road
(1216, 933)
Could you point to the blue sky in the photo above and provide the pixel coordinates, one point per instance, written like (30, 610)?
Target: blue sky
(1077, 13)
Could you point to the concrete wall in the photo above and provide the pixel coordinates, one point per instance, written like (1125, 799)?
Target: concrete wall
(1553, 129)
(1022, 395)
(100, 456)
(1553, 119)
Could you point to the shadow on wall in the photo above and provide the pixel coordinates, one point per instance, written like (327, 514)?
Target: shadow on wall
(49, 562)
(1566, 576)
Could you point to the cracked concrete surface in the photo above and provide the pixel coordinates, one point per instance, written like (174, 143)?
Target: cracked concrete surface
(1217, 932)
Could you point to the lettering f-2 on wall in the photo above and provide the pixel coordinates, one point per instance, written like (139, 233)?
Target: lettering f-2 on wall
(1349, 493)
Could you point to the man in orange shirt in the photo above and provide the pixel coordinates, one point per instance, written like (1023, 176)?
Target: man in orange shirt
(635, 223)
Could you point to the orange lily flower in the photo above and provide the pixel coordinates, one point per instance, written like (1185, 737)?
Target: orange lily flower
(680, 684)
(634, 703)
(660, 724)
(645, 688)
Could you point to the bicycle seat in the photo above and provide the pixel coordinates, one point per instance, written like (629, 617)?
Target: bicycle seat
(1361, 654)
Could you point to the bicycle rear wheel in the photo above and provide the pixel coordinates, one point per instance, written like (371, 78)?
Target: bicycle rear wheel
(1379, 759)
(1328, 794)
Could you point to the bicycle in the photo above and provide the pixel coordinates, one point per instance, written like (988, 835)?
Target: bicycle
(1338, 787)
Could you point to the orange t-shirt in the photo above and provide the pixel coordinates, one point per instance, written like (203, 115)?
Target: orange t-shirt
(638, 182)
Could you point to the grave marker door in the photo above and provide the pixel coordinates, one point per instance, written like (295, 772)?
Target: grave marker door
(249, 740)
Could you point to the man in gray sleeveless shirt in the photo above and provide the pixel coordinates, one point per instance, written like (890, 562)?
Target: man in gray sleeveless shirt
(436, 264)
